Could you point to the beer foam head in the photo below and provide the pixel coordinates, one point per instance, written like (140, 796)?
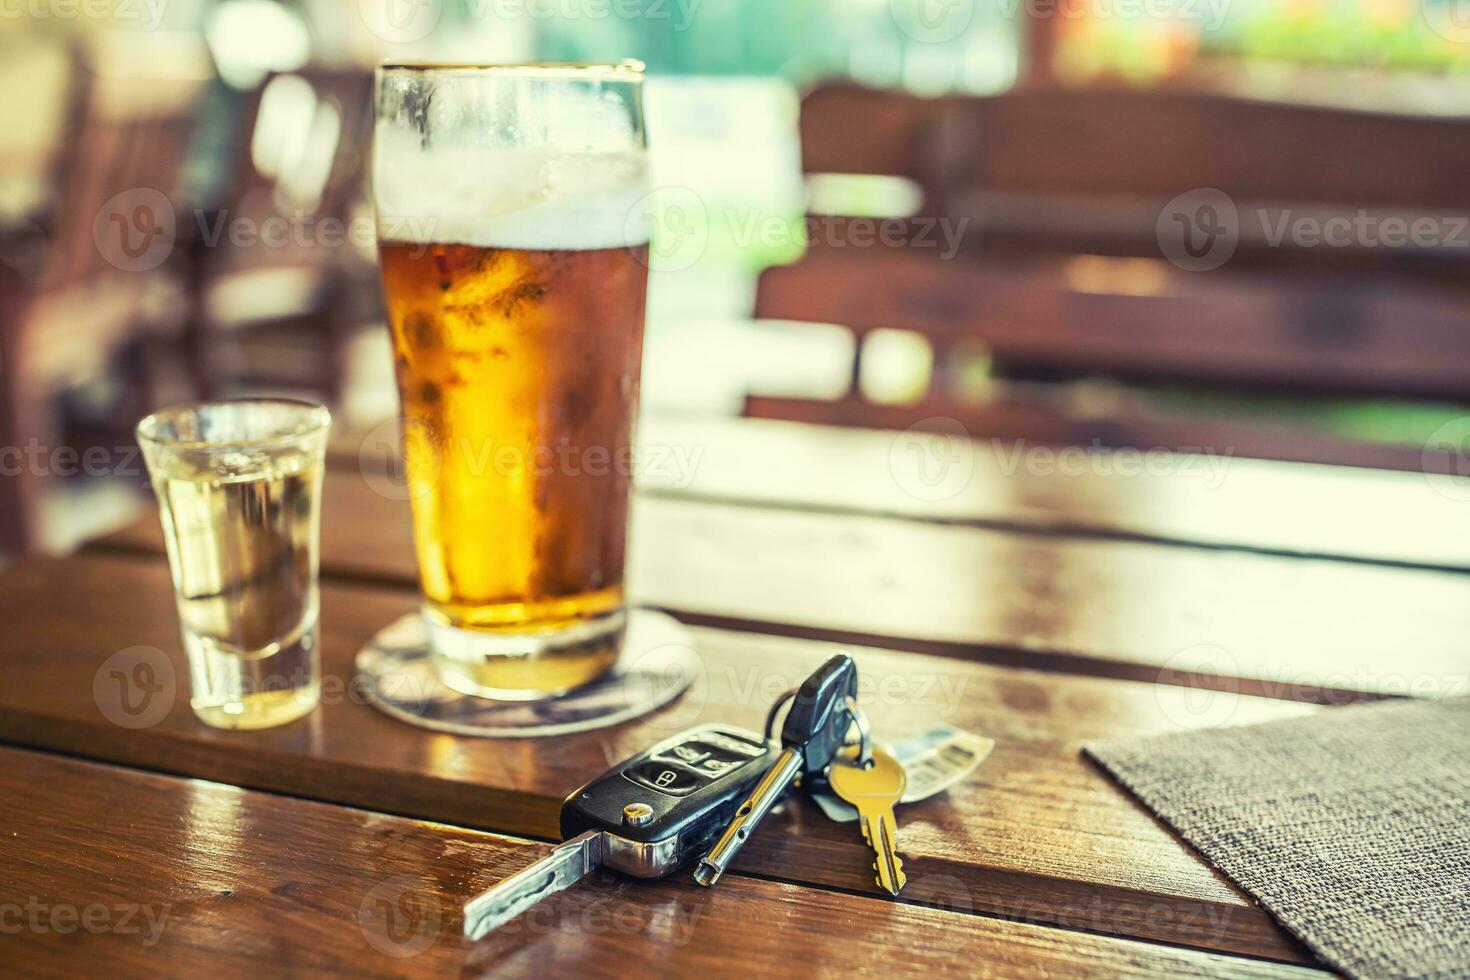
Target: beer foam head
(508, 198)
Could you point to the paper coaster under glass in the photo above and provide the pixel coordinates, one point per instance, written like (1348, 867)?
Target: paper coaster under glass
(657, 662)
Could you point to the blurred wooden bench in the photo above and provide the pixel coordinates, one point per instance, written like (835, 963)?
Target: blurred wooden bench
(1061, 273)
(131, 117)
(269, 314)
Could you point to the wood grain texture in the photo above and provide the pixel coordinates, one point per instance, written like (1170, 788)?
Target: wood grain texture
(1285, 627)
(1038, 835)
(1224, 502)
(1048, 432)
(160, 876)
(1241, 330)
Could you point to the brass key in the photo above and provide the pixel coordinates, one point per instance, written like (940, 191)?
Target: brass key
(874, 791)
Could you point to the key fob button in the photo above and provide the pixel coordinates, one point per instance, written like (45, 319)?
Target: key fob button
(718, 767)
(665, 778)
(706, 757)
(691, 753)
(735, 746)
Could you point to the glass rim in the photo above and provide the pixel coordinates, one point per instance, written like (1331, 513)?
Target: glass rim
(317, 418)
(628, 69)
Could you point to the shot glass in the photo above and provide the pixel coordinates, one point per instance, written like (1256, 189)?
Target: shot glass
(239, 495)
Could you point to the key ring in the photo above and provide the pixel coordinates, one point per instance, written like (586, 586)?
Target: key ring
(865, 733)
(775, 708)
(854, 711)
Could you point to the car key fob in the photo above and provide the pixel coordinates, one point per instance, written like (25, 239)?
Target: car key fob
(647, 817)
(662, 808)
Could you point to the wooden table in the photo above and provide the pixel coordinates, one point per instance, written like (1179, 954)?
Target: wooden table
(1042, 609)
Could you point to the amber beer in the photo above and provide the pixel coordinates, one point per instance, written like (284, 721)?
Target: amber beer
(513, 226)
(518, 373)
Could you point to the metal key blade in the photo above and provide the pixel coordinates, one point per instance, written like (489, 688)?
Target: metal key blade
(874, 791)
(881, 833)
(751, 812)
(566, 865)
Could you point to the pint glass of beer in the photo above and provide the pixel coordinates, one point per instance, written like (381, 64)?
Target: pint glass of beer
(514, 252)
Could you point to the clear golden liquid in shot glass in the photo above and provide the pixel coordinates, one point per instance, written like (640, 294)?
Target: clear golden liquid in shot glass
(241, 531)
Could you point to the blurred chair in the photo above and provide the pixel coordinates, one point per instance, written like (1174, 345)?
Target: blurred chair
(279, 313)
(73, 308)
(1062, 273)
(850, 129)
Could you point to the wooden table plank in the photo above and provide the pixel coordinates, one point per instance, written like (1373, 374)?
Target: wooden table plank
(159, 876)
(1210, 498)
(1288, 627)
(1283, 627)
(1038, 835)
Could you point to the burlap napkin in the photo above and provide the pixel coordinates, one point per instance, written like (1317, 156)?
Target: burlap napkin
(1351, 826)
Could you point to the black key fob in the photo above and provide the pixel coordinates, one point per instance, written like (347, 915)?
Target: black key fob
(664, 807)
(818, 720)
